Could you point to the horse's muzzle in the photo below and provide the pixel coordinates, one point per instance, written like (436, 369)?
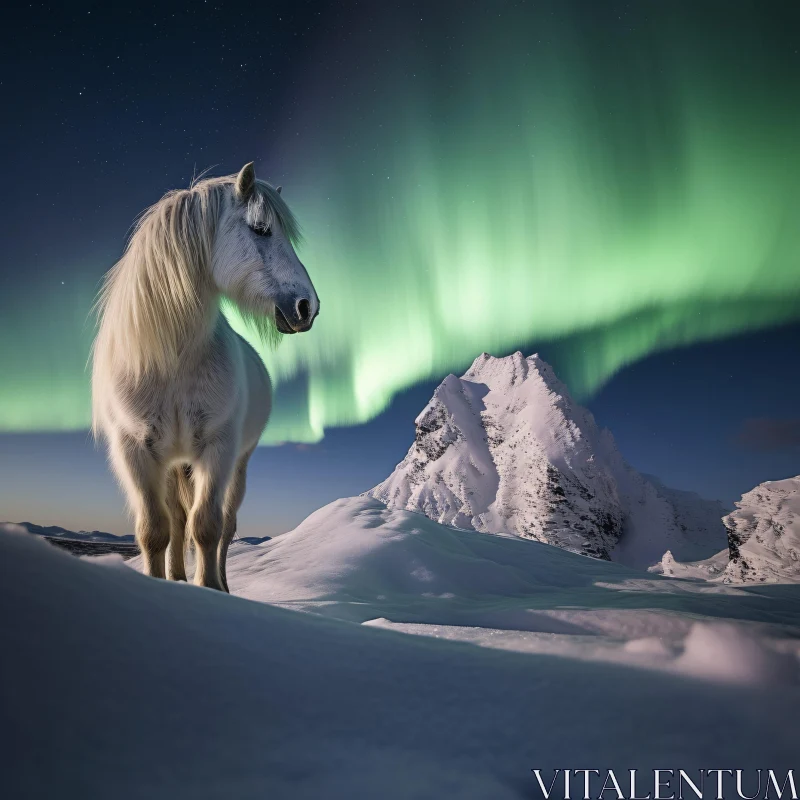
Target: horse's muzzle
(299, 319)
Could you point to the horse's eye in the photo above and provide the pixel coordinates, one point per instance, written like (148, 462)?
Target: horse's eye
(261, 230)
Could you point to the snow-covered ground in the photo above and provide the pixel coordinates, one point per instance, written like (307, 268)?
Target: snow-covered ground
(357, 560)
(118, 685)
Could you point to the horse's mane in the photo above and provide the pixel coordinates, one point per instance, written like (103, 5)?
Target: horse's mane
(152, 299)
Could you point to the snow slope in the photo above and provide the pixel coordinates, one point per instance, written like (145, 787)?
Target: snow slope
(505, 449)
(763, 540)
(123, 686)
(357, 560)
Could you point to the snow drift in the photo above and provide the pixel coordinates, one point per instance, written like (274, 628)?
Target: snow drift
(359, 561)
(126, 686)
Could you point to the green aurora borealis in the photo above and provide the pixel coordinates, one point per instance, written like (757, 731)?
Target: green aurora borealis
(540, 178)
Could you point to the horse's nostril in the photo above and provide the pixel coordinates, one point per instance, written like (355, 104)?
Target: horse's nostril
(303, 310)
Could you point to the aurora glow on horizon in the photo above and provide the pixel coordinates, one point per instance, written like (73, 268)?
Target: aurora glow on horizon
(532, 182)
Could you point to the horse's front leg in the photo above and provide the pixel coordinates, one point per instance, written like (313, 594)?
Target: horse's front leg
(211, 476)
(233, 500)
(141, 473)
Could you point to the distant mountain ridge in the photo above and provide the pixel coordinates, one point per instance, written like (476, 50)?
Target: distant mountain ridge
(57, 532)
(505, 449)
(99, 537)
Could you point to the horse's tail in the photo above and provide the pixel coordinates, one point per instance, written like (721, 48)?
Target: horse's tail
(183, 482)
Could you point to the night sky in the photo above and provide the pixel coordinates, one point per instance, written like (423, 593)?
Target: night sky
(613, 185)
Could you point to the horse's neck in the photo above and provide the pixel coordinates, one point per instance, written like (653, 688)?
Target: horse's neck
(199, 337)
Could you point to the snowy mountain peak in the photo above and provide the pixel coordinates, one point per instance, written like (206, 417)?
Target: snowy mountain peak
(764, 533)
(763, 540)
(513, 370)
(505, 449)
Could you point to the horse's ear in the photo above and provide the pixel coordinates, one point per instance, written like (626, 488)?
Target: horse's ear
(245, 182)
(278, 190)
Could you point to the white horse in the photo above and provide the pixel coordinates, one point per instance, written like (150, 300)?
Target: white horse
(180, 397)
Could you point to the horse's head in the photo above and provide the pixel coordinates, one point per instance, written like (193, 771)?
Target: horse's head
(254, 262)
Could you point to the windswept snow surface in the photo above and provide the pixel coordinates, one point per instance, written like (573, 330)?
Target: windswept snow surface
(505, 449)
(357, 560)
(117, 685)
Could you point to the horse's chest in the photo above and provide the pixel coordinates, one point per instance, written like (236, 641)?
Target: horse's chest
(201, 408)
(182, 415)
